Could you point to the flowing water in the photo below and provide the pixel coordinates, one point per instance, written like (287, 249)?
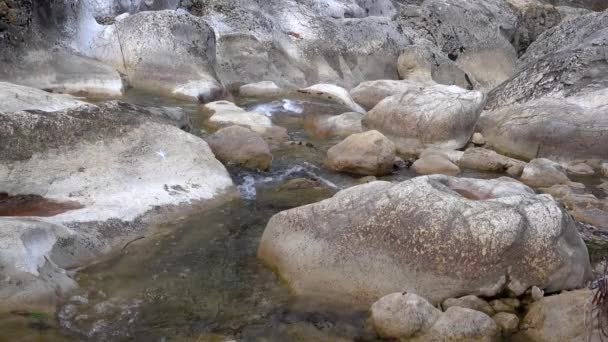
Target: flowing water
(199, 279)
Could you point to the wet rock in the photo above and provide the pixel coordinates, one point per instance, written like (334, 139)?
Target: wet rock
(563, 317)
(61, 72)
(482, 159)
(541, 173)
(17, 98)
(169, 52)
(478, 139)
(402, 315)
(32, 262)
(461, 324)
(121, 163)
(437, 116)
(426, 64)
(368, 153)
(260, 89)
(386, 223)
(559, 128)
(240, 146)
(333, 93)
(469, 302)
(435, 162)
(226, 113)
(337, 125)
(506, 322)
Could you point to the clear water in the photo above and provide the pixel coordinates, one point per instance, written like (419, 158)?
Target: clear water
(199, 279)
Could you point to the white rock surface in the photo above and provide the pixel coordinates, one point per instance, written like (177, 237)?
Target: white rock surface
(17, 98)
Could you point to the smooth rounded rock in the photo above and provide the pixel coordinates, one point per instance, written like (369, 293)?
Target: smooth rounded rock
(402, 315)
(367, 153)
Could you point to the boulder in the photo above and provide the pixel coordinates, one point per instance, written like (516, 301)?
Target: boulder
(169, 52)
(335, 125)
(31, 261)
(118, 162)
(604, 169)
(428, 235)
(580, 169)
(499, 305)
(240, 146)
(370, 93)
(506, 322)
(402, 315)
(569, 128)
(469, 302)
(534, 18)
(17, 98)
(260, 89)
(368, 153)
(482, 159)
(437, 116)
(224, 113)
(435, 162)
(426, 64)
(333, 93)
(563, 317)
(543, 173)
(461, 324)
(62, 72)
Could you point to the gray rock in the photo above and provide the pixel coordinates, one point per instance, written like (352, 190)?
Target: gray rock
(561, 128)
(478, 139)
(163, 51)
(425, 63)
(469, 302)
(120, 163)
(566, 60)
(537, 294)
(482, 159)
(402, 315)
(542, 173)
(333, 93)
(506, 322)
(260, 89)
(580, 169)
(383, 238)
(17, 98)
(438, 116)
(236, 145)
(368, 94)
(563, 317)
(336, 125)
(368, 153)
(476, 35)
(62, 72)
(461, 324)
(534, 17)
(499, 305)
(435, 162)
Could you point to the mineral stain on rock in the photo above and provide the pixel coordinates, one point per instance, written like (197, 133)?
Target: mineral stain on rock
(33, 205)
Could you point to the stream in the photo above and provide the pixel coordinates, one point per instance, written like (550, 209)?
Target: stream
(198, 278)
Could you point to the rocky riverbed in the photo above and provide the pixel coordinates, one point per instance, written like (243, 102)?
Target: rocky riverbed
(303, 170)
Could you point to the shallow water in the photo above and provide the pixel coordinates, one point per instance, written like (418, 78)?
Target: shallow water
(199, 279)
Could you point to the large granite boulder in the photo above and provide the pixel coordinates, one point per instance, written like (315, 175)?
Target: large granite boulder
(436, 116)
(16, 98)
(436, 236)
(162, 51)
(120, 164)
(567, 60)
(558, 128)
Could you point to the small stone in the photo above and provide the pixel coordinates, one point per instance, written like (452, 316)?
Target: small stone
(580, 169)
(512, 302)
(402, 315)
(500, 306)
(507, 322)
(537, 293)
(435, 163)
(469, 302)
(478, 139)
